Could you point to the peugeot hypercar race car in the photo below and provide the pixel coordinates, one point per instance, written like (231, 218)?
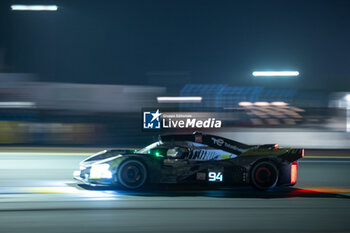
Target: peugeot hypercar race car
(196, 159)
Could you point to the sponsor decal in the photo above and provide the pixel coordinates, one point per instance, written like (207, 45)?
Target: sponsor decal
(176, 120)
(151, 120)
(220, 142)
(191, 123)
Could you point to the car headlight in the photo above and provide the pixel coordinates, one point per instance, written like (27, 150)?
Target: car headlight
(100, 171)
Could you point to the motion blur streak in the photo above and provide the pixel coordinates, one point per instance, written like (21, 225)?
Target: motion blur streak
(182, 99)
(17, 104)
(34, 7)
(261, 103)
(245, 104)
(275, 73)
(35, 113)
(279, 103)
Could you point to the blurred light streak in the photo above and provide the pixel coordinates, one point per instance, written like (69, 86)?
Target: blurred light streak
(245, 104)
(34, 7)
(279, 103)
(180, 99)
(17, 105)
(101, 195)
(261, 103)
(347, 98)
(275, 73)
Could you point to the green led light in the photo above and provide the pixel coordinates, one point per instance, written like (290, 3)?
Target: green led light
(149, 152)
(135, 151)
(157, 153)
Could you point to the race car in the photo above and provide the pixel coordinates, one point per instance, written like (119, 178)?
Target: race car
(193, 159)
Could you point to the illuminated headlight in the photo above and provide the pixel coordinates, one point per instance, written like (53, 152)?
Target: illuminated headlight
(100, 171)
(76, 173)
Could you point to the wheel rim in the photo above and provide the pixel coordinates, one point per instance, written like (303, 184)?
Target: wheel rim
(132, 174)
(265, 175)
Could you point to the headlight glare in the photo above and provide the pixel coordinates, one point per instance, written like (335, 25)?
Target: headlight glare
(100, 171)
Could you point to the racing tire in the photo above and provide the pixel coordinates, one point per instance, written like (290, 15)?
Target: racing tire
(132, 174)
(264, 175)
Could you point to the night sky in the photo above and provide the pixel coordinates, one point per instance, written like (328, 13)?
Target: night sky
(171, 43)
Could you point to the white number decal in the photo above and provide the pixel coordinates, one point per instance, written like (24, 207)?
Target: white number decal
(213, 176)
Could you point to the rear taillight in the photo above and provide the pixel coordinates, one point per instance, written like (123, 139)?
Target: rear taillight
(275, 146)
(294, 172)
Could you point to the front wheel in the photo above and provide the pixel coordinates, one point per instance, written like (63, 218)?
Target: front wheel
(132, 174)
(264, 175)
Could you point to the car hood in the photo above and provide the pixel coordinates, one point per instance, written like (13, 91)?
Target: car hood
(93, 162)
(111, 158)
(105, 154)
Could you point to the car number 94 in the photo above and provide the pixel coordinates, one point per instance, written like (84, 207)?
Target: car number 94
(215, 176)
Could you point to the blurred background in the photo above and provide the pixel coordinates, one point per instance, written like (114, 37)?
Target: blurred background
(81, 74)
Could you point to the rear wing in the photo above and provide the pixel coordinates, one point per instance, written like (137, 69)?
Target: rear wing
(293, 155)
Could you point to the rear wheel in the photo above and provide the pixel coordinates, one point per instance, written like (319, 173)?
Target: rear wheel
(132, 174)
(264, 175)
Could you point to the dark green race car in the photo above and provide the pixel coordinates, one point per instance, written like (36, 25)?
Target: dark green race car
(193, 159)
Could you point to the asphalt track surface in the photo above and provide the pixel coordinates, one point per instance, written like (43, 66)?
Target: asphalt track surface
(38, 194)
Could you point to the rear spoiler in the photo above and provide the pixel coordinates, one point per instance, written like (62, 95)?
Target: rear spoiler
(293, 155)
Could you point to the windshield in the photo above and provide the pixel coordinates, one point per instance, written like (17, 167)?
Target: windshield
(149, 148)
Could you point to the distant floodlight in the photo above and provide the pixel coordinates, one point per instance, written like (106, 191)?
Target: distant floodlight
(261, 104)
(34, 7)
(17, 105)
(245, 104)
(180, 99)
(347, 97)
(275, 73)
(279, 103)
